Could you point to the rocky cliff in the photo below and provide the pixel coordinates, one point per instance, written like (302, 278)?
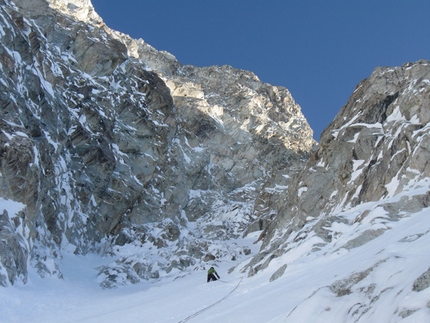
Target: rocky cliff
(376, 148)
(110, 146)
(370, 173)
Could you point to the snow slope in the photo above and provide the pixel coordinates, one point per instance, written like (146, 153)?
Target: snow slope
(372, 282)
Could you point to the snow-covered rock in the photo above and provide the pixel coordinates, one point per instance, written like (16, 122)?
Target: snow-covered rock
(109, 146)
(369, 176)
(113, 146)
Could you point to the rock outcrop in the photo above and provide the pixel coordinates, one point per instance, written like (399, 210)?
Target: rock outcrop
(361, 203)
(375, 149)
(113, 146)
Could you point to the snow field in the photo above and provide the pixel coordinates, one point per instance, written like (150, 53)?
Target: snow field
(372, 282)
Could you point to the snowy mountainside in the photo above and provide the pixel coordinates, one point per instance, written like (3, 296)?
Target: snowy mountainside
(368, 179)
(375, 148)
(114, 150)
(384, 280)
(113, 146)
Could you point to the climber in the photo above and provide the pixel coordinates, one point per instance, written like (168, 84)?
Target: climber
(212, 274)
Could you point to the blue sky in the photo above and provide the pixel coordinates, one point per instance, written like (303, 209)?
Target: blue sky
(319, 50)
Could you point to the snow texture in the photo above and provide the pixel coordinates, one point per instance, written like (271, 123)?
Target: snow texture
(382, 280)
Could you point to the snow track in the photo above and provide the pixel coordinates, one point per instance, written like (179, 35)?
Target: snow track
(212, 305)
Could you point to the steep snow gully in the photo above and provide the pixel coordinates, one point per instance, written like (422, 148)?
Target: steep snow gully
(125, 175)
(384, 280)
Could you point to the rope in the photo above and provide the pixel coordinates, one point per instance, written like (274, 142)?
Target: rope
(212, 305)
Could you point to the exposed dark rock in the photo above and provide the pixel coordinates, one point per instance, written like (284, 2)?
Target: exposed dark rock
(422, 282)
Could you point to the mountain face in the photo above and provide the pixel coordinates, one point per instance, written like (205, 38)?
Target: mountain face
(360, 200)
(113, 147)
(110, 146)
(376, 149)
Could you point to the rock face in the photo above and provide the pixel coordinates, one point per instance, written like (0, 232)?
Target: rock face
(370, 171)
(376, 147)
(369, 176)
(111, 145)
